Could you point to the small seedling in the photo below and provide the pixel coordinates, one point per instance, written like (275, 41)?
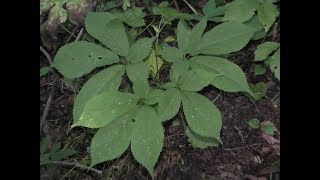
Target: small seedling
(268, 129)
(254, 123)
(55, 153)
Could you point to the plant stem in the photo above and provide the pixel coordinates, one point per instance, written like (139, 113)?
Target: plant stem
(190, 7)
(79, 35)
(68, 31)
(155, 49)
(46, 54)
(156, 55)
(176, 5)
(146, 27)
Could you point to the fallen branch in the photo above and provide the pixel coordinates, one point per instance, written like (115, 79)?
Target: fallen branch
(73, 164)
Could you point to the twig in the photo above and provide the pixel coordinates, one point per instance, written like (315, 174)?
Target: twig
(231, 149)
(194, 11)
(46, 54)
(74, 164)
(55, 81)
(255, 105)
(275, 96)
(46, 109)
(176, 5)
(80, 34)
(145, 28)
(240, 133)
(73, 32)
(216, 97)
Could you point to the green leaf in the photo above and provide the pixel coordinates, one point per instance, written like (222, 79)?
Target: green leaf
(45, 70)
(210, 9)
(254, 123)
(110, 32)
(227, 75)
(177, 69)
(126, 4)
(169, 104)
(44, 158)
(202, 115)
(147, 138)
(216, 19)
(195, 36)
(112, 140)
(44, 144)
(272, 1)
(259, 69)
(137, 71)
(106, 80)
(156, 29)
(55, 147)
(57, 156)
(267, 61)
(195, 80)
(183, 36)
(256, 24)
(168, 85)
(240, 10)
(268, 129)
(259, 90)
(45, 5)
(141, 88)
(188, 40)
(79, 58)
(264, 50)
(259, 35)
(169, 39)
(225, 38)
(140, 50)
(200, 141)
(105, 107)
(170, 13)
(172, 54)
(211, 4)
(153, 97)
(274, 64)
(133, 17)
(132, 35)
(268, 13)
(154, 63)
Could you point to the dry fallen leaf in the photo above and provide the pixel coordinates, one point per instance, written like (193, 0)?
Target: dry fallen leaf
(274, 143)
(265, 150)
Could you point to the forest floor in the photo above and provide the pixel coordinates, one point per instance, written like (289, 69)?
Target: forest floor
(245, 153)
